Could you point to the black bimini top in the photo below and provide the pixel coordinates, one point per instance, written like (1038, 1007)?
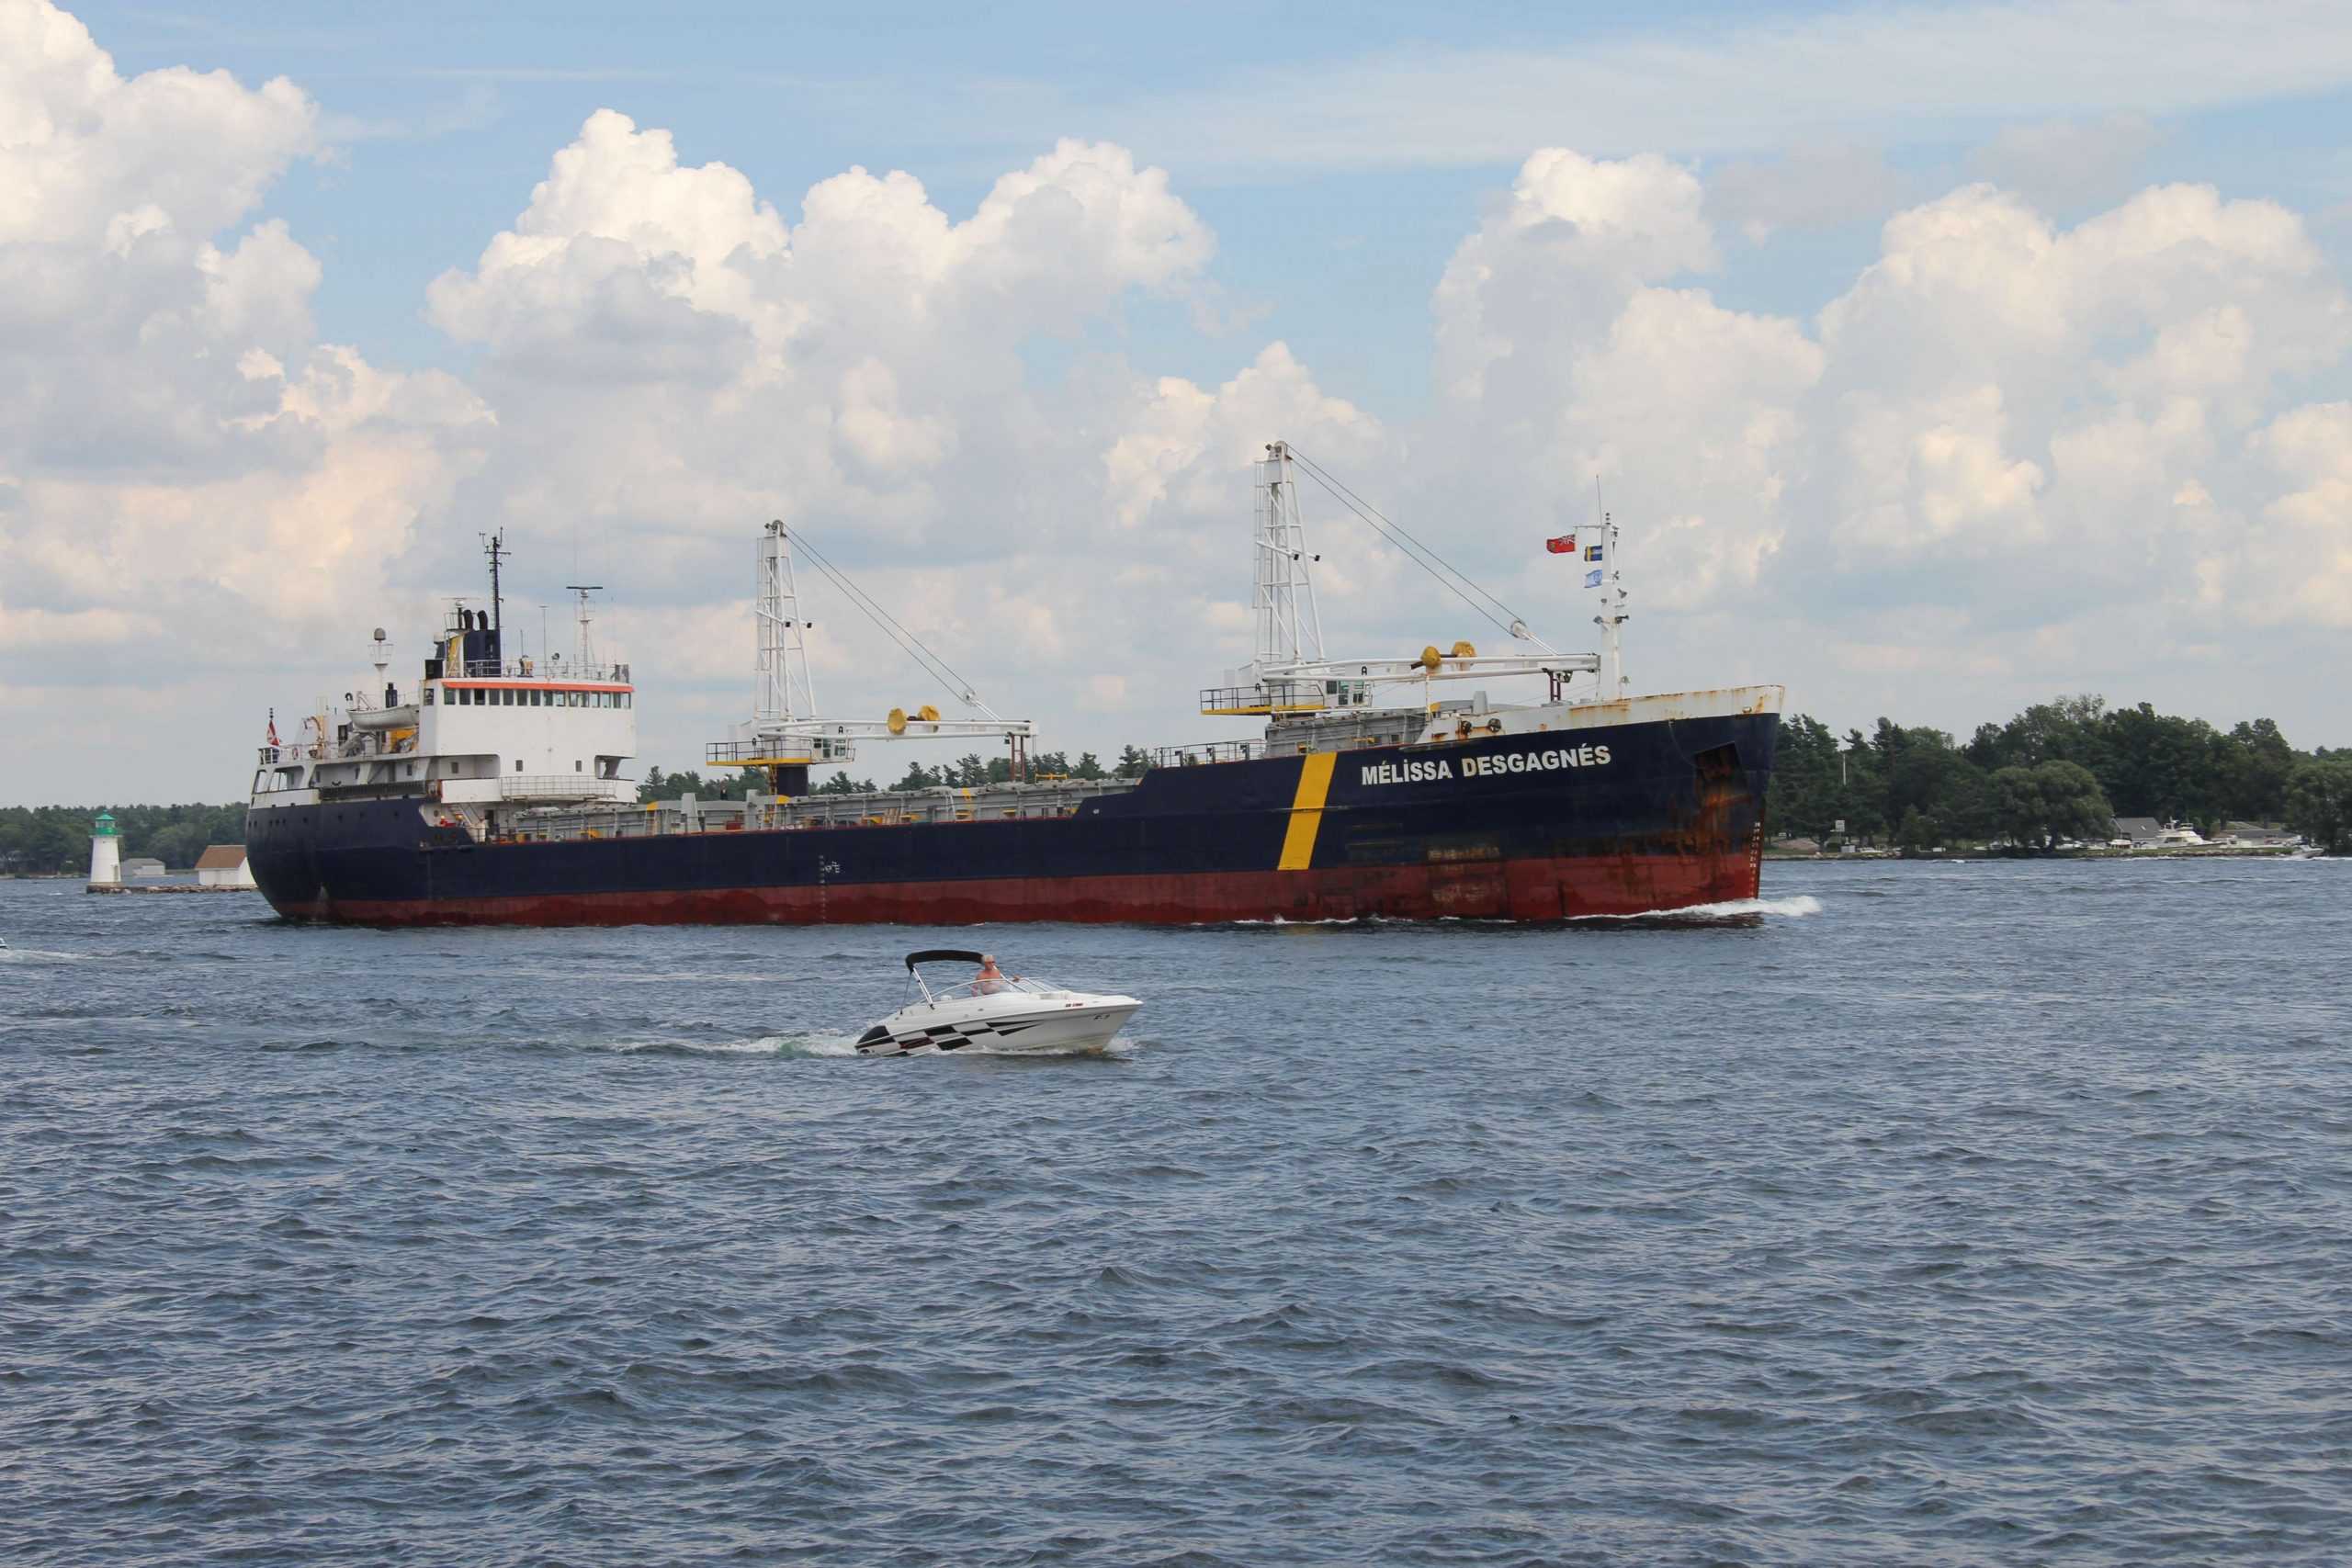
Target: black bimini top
(945, 956)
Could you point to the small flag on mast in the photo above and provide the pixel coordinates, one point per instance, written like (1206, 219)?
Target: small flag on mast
(1592, 579)
(272, 727)
(1592, 552)
(1565, 544)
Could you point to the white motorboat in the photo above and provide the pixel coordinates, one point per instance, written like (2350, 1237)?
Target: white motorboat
(994, 1013)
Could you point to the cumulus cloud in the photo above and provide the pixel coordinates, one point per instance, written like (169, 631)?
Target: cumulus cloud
(190, 479)
(1569, 356)
(2003, 432)
(667, 350)
(87, 154)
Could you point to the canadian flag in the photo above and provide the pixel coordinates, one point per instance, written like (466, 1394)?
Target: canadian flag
(272, 727)
(1565, 544)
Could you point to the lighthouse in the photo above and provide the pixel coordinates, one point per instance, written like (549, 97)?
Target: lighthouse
(106, 853)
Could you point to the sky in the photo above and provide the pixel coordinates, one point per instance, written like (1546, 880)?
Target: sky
(1935, 359)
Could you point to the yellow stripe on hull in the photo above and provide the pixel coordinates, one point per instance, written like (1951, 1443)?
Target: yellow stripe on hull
(1306, 811)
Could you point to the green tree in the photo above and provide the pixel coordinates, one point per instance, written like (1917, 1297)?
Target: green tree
(1861, 787)
(842, 784)
(2317, 803)
(1133, 763)
(1914, 835)
(1804, 795)
(178, 845)
(658, 785)
(2036, 806)
(2258, 764)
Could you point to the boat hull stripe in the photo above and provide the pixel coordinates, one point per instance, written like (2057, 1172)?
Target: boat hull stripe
(1306, 811)
(1550, 889)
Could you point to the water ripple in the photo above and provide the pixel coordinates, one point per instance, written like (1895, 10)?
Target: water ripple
(1973, 1213)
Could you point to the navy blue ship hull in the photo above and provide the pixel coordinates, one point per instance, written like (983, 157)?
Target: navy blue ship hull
(1613, 820)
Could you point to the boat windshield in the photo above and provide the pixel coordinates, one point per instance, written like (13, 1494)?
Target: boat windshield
(1000, 986)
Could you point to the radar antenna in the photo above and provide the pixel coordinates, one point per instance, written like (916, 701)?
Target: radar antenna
(582, 648)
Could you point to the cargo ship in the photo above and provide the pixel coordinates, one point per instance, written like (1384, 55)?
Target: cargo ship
(497, 789)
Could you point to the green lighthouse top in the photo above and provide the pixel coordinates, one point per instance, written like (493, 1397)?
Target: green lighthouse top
(105, 824)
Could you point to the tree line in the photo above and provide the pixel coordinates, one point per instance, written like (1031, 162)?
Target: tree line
(968, 771)
(2059, 771)
(43, 840)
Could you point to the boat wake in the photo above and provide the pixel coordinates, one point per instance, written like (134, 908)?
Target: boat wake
(35, 955)
(819, 1043)
(831, 1044)
(1795, 906)
(1731, 912)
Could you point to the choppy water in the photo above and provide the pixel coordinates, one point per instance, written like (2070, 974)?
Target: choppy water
(1942, 1213)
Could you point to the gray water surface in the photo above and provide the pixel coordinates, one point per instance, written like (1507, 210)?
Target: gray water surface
(1932, 1213)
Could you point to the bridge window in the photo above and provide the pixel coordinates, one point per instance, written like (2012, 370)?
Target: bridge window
(518, 765)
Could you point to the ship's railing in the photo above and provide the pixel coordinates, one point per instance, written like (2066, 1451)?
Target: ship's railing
(1285, 697)
(555, 667)
(1209, 751)
(792, 749)
(559, 787)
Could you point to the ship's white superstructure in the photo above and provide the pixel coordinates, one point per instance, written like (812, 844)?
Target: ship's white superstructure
(478, 732)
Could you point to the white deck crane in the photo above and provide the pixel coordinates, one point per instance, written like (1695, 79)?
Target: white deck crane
(1291, 674)
(785, 735)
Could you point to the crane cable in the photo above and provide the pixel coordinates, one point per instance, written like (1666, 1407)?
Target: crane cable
(937, 668)
(1455, 582)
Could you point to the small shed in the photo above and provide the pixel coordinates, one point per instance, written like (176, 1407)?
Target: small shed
(223, 865)
(144, 866)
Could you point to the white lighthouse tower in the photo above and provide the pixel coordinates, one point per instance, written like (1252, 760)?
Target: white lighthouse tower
(106, 853)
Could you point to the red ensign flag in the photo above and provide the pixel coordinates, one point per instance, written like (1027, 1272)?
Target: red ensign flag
(1565, 544)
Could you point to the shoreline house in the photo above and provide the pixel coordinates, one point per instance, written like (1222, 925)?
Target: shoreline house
(2137, 832)
(2254, 836)
(144, 867)
(223, 865)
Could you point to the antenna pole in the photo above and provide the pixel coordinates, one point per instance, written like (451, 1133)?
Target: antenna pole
(494, 546)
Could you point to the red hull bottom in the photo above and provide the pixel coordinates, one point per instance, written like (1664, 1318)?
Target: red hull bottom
(1558, 889)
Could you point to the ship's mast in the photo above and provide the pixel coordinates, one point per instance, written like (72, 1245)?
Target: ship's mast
(781, 687)
(1612, 615)
(582, 648)
(494, 546)
(1290, 629)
